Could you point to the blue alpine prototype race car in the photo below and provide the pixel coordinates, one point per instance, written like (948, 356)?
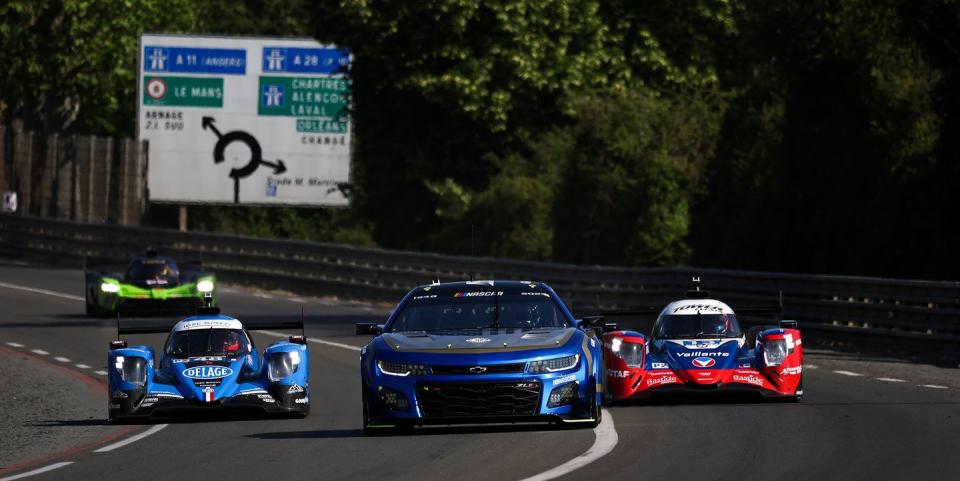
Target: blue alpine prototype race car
(480, 351)
(209, 361)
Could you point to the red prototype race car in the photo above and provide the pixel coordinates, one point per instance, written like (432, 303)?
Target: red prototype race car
(697, 345)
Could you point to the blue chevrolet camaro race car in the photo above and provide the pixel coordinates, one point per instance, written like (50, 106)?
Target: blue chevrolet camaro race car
(480, 351)
(209, 361)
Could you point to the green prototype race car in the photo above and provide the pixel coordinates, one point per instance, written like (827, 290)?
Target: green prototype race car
(151, 284)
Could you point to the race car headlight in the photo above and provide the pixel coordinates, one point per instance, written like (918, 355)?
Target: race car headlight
(554, 365)
(282, 365)
(564, 394)
(403, 369)
(630, 352)
(109, 287)
(131, 369)
(774, 351)
(205, 286)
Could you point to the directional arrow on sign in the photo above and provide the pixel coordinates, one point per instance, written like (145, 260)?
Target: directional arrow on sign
(208, 123)
(278, 167)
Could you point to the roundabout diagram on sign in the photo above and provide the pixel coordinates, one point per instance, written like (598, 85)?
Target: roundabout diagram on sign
(255, 154)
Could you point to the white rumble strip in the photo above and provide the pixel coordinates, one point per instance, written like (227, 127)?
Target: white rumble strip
(14, 344)
(82, 366)
(61, 359)
(42, 470)
(848, 373)
(933, 386)
(40, 352)
(890, 379)
(102, 373)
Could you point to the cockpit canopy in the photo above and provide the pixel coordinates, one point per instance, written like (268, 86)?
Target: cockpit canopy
(696, 319)
(208, 342)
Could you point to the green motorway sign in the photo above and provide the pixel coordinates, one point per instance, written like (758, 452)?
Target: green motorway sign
(306, 97)
(183, 91)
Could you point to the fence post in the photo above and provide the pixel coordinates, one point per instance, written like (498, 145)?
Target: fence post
(22, 168)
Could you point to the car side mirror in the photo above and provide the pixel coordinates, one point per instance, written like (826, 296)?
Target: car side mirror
(370, 328)
(788, 324)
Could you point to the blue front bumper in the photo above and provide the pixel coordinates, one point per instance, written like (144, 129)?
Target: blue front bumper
(477, 398)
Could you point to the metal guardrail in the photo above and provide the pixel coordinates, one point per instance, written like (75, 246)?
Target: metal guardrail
(897, 307)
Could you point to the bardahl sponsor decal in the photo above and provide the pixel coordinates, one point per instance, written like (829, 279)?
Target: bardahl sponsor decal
(757, 380)
(616, 373)
(207, 372)
(651, 381)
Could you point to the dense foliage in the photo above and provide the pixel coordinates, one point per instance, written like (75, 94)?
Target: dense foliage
(808, 135)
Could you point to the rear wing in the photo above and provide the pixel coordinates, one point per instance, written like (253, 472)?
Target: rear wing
(211, 310)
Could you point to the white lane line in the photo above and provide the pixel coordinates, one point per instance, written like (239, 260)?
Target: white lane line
(131, 439)
(262, 296)
(605, 440)
(37, 471)
(40, 352)
(298, 299)
(42, 291)
(933, 386)
(890, 379)
(849, 373)
(62, 359)
(811, 366)
(316, 341)
(82, 366)
(102, 373)
(14, 344)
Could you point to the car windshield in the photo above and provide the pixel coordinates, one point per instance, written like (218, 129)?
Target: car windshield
(152, 269)
(208, 342)
(693, 326)
(462, 311)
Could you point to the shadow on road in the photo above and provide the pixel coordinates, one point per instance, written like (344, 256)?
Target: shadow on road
(418, 431)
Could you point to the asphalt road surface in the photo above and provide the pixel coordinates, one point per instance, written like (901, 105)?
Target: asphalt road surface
(860, 419)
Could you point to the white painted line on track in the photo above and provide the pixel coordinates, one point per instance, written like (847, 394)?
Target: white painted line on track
(82, 366)
(42, 291)
(933, 386)
(314, 340)
(298, 299)
(131, 439)
(848, 373)
(262, 295)
(42, 470)
(62, 359)
(605, 440)
(890, 379)
(14, 344)
(102, 373)
(40, 352)
(811, 366)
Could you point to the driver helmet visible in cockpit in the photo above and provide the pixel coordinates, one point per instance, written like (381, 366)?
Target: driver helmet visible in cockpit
(231, 342)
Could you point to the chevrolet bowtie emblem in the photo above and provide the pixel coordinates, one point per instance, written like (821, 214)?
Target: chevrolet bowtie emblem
(478, 369)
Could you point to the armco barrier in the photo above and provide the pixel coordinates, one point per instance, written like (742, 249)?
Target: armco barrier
(889, 307)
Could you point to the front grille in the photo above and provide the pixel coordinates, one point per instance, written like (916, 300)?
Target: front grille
(489, 399)
(480, 369)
